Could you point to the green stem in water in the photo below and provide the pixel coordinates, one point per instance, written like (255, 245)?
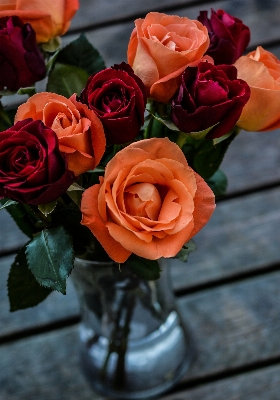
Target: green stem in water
(120, 374)
(181, 139)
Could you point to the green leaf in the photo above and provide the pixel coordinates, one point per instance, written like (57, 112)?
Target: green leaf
(50, 258)
(70, 219)
(23, 217)
(51, 62)
(75, 187)
(204, 156)
(168, 123)
(23, 289)
(75, 196)
(27, 90)
(186, 250)
(47, 208)
(8, 203)
(146, 269)
(82, 54)
(52, 45)
(67, 79)
(201, 134)
(218, 183)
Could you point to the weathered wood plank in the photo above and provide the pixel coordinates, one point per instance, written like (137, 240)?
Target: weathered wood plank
(233, 326)
(263, 20)
(252, 160)
(102, 11)
(54, 308)
(243, 235)
(112, 41)
(262, 384)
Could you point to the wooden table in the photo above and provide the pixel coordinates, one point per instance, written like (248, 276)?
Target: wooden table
(229, 291)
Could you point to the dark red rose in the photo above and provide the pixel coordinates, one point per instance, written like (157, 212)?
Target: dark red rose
(32, 169)
(209, 95)
(229, 37)
(21, 63)
(118, 97)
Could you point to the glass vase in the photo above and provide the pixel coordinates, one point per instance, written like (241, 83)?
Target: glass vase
(133, 342)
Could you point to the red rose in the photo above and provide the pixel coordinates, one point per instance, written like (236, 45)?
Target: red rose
(21, 63)
(209, 95)
(118, 98)
(32, 169)
(229, 37)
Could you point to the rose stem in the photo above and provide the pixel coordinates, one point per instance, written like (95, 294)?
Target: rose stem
(181, 138)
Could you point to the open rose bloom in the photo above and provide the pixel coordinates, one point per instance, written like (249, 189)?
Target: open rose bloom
(47, 17)
(150, 202)
(161, 47)
(261, 70)
(79, 131)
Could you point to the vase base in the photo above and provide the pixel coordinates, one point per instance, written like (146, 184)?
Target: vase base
(152, 365)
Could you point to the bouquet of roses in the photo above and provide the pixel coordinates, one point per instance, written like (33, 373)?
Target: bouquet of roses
(121, 162)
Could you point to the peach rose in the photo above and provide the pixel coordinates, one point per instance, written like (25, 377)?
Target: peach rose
(161, 47)
(48, 18)
(150, 202)
(261, 70)
(79, 130)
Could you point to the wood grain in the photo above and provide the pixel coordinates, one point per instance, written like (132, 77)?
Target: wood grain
(261, 17)
(92, 13)
(243, 235)
(233, 326)
(54, 308)
(262, 384)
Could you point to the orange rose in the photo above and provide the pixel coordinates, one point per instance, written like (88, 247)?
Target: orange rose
(48, 18)
(150, 202)
(161, 47)
(261, 70)
(79, 130)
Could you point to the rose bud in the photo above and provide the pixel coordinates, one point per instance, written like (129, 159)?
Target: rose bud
(118, 98)
(21, 63)
(209, 95)
(229, 37)
(150, 202)
(261, 70)
(32, 169)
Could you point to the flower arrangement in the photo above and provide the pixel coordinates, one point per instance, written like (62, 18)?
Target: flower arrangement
(120, 162)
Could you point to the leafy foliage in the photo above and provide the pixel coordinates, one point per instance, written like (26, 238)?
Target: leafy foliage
(66, 80)
(204, 156)
(218, 183)
(23, 289)
(80, 53)
(70, 219)
(55, 262)
(186, 250)
(146, 269)
(23, 217)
